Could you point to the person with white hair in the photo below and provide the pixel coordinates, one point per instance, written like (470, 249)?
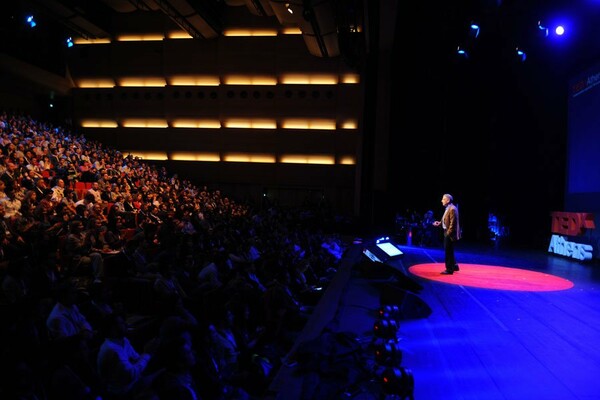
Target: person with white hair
(450, 224)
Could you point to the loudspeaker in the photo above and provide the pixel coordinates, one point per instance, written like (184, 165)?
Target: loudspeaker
(368, 269)
(405, 282)
(410, 305)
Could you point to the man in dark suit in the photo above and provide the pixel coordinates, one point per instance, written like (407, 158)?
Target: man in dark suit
(450, 224)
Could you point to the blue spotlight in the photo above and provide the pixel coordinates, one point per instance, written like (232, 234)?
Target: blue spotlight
(543, 29)
(474, 30)
(521, 55)
(69, 42)
(30, 21)
(462, 52)
(559, 30)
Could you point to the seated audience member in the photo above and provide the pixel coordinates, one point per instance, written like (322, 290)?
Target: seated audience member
(120, 366)
(303, 284)
(100, 304)
(257, 356)
(96, 192)
(71, 339)
(178, 358)
(65, 320)
(12, 205)
(22, 382)
(227, 351)
(213, 275)
(58, 191)
(285, 315)
(170, 295)
(16, 285)
(40, 188)
(331, 245)
(79, 255)
(12, 244)
(246, 286)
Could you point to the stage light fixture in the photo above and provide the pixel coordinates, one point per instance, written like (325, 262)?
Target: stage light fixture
(398, 382)
(559, 30)
(462, 52)
(386, 329)
(474, 30)
(382, 239)
(69, 42)
(388, 353)
(542, 28)
(31, 21)
(390, 312)
(288, 8)
(521, 55)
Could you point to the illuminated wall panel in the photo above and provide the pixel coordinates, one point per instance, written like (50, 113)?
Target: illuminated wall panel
(140, 81)
(99, 124)
(249, 32)
(191, 80)
(144, 123)
(318, 124)
(147, 155)
(196, 123)
(95, 83)
(192, 156)
(83, 41)
(249, 157)
(307, 159)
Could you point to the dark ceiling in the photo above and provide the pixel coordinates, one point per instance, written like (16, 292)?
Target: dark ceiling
(429, 31)
(201, 19)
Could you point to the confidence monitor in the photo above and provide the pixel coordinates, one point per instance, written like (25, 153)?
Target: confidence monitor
(382, 254)
(389, 249)
(382, 251)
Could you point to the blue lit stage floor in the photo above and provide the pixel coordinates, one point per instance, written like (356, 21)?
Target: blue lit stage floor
(458, 341)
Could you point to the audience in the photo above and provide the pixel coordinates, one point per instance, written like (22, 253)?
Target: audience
(91, 238)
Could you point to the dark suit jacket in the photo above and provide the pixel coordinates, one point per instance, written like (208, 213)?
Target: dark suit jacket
(451, 222)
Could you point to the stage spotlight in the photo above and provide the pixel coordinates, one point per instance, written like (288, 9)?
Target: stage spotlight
(390, 312)
(69, 42)
(462, 52)
(521, 55)
(559, 30)
(386, 329)
(398, 382)
(382, 239)
(288, 8)
(388, 354)
(542, 29)
(30, 21)
(474, 31)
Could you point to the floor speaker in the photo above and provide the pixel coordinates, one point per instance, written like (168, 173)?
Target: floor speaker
(411, 306)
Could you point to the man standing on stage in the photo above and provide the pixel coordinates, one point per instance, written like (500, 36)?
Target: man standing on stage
(451, 228)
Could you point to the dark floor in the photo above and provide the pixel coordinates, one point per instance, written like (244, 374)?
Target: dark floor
(456, 342)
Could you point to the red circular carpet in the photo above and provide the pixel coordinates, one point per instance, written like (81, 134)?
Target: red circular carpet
(493, 277)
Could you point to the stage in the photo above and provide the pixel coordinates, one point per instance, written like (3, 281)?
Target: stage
(508, 325)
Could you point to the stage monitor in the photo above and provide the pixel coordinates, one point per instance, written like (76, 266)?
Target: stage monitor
(389, 249)
(382, 250)
(371, 256)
